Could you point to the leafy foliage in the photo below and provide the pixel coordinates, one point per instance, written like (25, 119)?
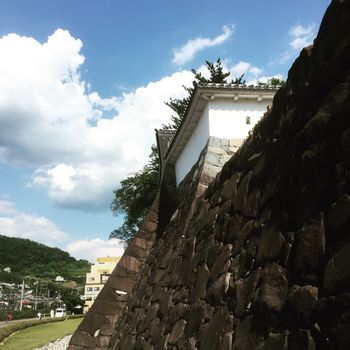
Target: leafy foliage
(137, 192)
(71, 298)
(28, 258)
(216, 75)
(272, 82)
(134, 196)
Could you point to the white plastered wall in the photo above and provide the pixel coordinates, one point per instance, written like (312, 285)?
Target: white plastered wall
(227, 119)
(222, 118)
(193, 148)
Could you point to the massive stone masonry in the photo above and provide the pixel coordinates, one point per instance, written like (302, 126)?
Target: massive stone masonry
(97, 327)
(263, 261)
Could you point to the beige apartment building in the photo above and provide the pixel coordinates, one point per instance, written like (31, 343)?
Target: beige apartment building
(97, 277)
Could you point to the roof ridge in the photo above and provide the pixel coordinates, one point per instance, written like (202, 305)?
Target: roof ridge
(239, 86)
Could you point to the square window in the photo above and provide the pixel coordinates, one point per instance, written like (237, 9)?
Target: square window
(247, 120)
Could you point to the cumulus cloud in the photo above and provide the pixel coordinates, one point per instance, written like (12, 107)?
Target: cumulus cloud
(250, 72)
(187, 52)
(94, 248)
(28, 225)
(51, 121)
(302, 36)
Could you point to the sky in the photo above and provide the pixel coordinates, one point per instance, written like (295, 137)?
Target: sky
(83, 85)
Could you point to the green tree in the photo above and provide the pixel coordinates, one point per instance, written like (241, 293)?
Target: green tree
(216, 75)
(72, 300)
(274, 81)
(137, 192)
(134, 196)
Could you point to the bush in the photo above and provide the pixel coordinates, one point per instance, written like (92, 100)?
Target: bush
(17, 326)
(20, 315)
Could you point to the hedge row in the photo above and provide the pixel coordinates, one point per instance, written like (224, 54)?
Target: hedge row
(7, 330)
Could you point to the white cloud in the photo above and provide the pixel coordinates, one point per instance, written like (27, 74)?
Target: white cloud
(245, 68)
(28, 225)
(50, 120)
(302, 36)
(187, 52)
(93, 248)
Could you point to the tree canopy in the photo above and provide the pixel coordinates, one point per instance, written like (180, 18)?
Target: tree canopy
(137, 192)
(134, 196)
(217, 75)
(26, 257)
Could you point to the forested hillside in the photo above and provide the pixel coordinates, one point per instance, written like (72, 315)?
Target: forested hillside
(28, 258)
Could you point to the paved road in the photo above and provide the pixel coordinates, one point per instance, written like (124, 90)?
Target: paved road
(3, 323)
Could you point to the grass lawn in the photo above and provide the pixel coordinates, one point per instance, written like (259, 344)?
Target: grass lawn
(37, 336)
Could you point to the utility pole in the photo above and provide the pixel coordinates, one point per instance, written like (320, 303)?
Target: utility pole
(22, 296)
(36, 297)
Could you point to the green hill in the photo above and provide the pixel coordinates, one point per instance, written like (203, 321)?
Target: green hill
(28, 258)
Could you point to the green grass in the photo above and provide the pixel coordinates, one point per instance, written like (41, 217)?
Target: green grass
(37, 336)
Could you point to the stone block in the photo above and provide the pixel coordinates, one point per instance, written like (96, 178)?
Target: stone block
(165, 302)
(136, 252)
(121, 283)
(130, 263)
(213, 159)
(105, 307)
(337, 272)
(152, 216)
(241, 196)
(176, 312)
(194, 317)
(301, 302)
(149, 226)
(103, 341)
(199, 289)
(217, 292)
(216, 150)
(226, 341)
(177, 332)
(80, 338)
(222, 263)
(301, 339)
(309, 250)
(272, 291)
(339, 212)
(215, 329)
(106, 329)
(275, 341)
(92, 322)
(246, 336)
(270, 244)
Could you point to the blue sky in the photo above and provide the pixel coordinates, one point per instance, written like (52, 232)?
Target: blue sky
(82, 89)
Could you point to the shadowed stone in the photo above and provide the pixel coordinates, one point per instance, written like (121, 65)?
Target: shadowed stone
(270, 244)
(301, 302)
(246, 337)
(222, 263)
(177, 332)
(301, 340)
(272, 291)
(339, 212)
(310, 249)
(275, 341)
(218, 290)
(337, 273)
(199, 288)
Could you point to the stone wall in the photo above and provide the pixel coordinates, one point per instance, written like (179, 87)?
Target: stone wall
(262, 261)
(98, 324)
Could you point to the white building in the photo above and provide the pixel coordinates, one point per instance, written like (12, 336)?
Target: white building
(97, 277)
(223, 111)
